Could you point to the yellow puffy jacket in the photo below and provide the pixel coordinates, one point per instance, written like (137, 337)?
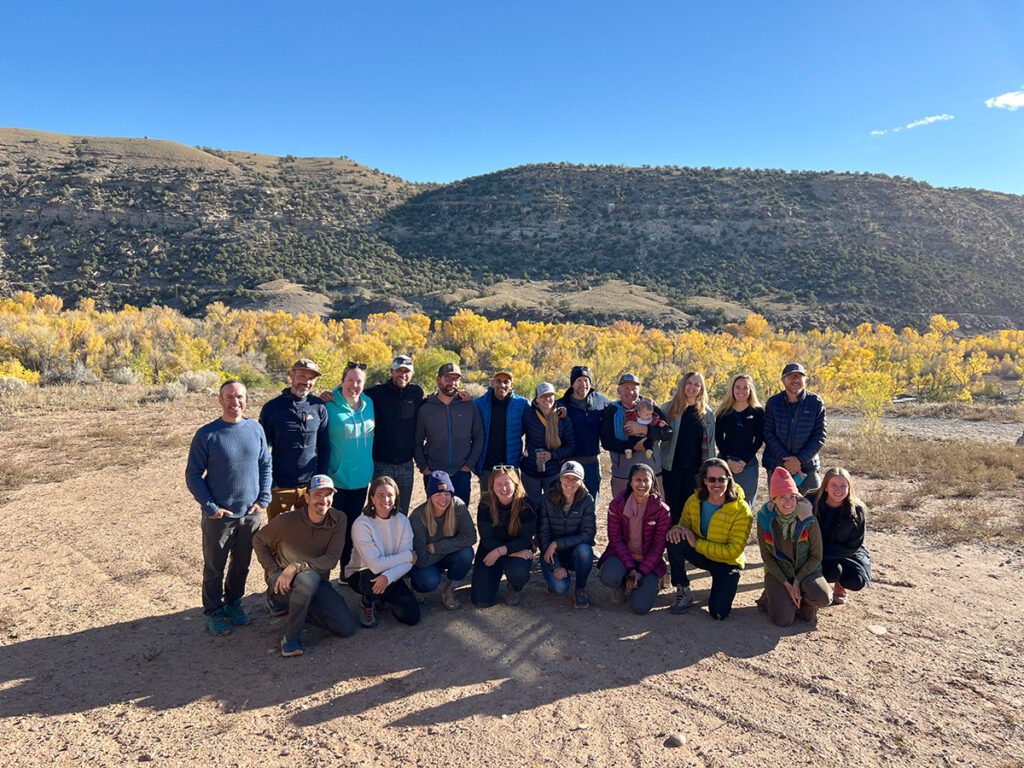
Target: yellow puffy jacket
(727, 532)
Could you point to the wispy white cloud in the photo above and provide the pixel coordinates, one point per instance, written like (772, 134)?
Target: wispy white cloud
(1011, 100)
(928, 121)
(915, 124)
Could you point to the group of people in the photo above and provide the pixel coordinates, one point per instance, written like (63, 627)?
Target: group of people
(326, 481)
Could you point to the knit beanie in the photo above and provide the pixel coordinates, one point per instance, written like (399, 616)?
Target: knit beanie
(781, 483)
(577, 371)
(438, 481)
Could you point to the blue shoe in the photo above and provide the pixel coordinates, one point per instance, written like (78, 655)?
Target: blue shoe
(236, 613)
(275, 608)
(218, 623)
(291, 647)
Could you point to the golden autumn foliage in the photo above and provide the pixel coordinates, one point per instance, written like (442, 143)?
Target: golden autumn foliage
(862, 369)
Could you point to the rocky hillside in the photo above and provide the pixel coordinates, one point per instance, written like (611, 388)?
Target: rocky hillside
(145, 221)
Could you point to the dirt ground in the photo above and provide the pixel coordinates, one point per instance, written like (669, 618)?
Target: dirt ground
(104, 657)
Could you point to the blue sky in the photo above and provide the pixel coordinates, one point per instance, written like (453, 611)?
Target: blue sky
(436, 91)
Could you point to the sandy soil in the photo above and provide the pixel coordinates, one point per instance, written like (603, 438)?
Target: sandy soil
(105, 659)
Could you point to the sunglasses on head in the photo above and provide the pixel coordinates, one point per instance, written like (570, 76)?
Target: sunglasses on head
(504, 468)
(716, 479)
(350, 365)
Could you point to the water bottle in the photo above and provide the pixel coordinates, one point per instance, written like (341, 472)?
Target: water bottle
(541, 463)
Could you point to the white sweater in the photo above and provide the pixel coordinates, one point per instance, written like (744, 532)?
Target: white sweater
(381, 546)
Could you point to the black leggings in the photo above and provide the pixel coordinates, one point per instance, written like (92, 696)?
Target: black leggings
(484, 589)
(398, 596)
(848, 572)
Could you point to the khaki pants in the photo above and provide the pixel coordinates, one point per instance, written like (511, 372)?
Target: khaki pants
(284, 499)
(815, 593)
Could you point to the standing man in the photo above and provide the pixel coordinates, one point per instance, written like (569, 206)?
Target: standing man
(228, 473)
(449, 432)
(396, 403)
(795, 429)
(620, 431)
(295, 423)
(584, 406)
(298, 550)
(501, 411)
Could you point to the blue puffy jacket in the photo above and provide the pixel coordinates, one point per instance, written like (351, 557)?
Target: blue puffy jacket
(798, 432)
(518, 405)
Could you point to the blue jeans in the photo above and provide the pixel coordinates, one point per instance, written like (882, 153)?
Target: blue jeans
(455, 565)
(747, 480)
(592, 479)
(460, 482)
(579, 559)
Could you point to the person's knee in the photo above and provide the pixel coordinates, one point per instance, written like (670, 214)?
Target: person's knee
(640, 604)
(610, 577)
(559, 586)
(409, 615)
(853, 581)
(306, 581)
(425, 579)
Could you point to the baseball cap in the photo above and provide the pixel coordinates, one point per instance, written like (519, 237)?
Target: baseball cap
(573, 468)
(503, 372)
(628, 377)
(793, 368)
(319, 482)
(448, 369)
(545, 388)
(401, 361)
(306, 363)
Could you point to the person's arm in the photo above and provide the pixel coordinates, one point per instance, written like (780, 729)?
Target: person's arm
(476, 449)
(721, 439)
(736, 540)
(709, 435)
(419, 537)
(370, 553)
(758, 441)
(656, 432)
(265, 541)
(419, 449)
(813, 562)
(323, 443)
(527, 530)
(852, 535)
(405, 555)
(266, 472)
(465, 533)
(195, 469)
(267, 423)
(652, 557)
(544, 524)
(771, 565)
(488, 536)
(609, 441)
(816, 441)
(773, 446)
(329, 560)
(585, 534)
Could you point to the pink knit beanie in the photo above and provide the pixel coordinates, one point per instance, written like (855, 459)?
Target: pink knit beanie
(781, 483)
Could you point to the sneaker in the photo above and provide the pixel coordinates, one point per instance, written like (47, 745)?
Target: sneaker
(236, 613)
(581, 600)
(684, 599)
(218, 623)
(369, 615)
(839, 594)
(448, 598)
(275, 608)
(291, 647)
(513, 597)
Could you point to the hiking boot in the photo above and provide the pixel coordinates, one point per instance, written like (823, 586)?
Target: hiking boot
(808, 613)
(291, 647)
(683, 601)
(513, 597)
(839, 594)
(581, 600)
(275, 608)
(448, 598)
(369, 616)
(236, 613)
(218, 623)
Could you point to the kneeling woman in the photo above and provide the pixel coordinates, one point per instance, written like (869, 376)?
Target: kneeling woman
(790, 541)
(507, 524)
(712, 534)
(443, 536)
(382, 554)
(843, 519)
(637, 522)
(568, 528)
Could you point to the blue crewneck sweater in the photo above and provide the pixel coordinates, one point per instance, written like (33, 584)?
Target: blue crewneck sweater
(229, 466)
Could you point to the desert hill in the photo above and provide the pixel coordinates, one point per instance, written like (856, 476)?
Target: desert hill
(147, 221)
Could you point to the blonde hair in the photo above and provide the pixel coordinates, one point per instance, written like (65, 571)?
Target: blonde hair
(518, 497)
(729, 403)
(678, 404)
(851, 501)
(552, 439)
(448, 526)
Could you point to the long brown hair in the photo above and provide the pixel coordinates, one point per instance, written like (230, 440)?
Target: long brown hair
(729, 402)
(678, 404)
(448, 525)
(518, 497)
(369, 509)
(730, 484)
(558, 498)
(552, 439)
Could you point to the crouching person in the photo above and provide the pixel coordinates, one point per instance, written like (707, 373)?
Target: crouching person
(382, 554)
(568, 528)
(297, 550)
(790, 540)
(443, 536)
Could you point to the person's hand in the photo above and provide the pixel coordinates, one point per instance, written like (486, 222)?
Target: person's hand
(430, 549)
(426, 471)
(283, 585)
(544, 456)
(794, 593)
(560, 573)
(691, 537)
(255, 509)
(380, 583)
(462, 395)
(736, 466)
(634, 430)
(634, 578)
(466, 469)
(792, 464)
(523, 554)
(414, 556)
(675, 534)
(492, 557)
(640, 446)
(221, 513)
(549, 554)
(327, 397)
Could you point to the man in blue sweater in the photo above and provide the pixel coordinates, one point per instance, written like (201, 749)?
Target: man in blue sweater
(795, 429)
(228, 474)
(295, 423)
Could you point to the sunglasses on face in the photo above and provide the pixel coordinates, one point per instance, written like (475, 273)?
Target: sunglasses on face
(714, 479)
(350, 365)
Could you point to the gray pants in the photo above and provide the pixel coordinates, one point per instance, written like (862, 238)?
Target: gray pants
(313, 599)
(535, 488)
(641, 599)
(224, 537)
(815, 593)
(402, 475)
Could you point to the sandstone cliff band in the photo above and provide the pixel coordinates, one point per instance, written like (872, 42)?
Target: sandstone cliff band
(322, 485)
